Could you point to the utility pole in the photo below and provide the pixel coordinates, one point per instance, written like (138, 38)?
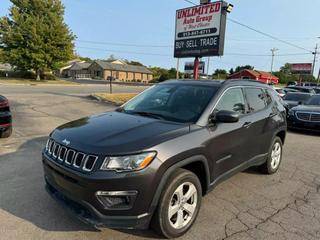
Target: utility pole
(178, 62)
(196, 68)
(314, 59)
(208, 64)
(273, 50)
(318, 80)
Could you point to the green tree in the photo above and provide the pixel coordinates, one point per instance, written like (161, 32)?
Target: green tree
(240, 68)
(286, 69)
(162, 74)
(111, 58)
(35, 37)
(220, 74)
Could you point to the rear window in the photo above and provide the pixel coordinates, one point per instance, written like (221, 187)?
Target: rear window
(315, 100)
(256, 99)
(297, 97)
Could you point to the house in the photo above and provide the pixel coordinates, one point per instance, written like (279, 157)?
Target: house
(120, 70)
(64, 71)
(5, 67)
(258, 75)
(79, 70)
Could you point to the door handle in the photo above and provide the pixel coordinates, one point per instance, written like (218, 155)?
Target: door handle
(247, 124)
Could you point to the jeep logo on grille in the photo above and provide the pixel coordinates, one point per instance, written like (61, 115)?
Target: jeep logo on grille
(66, 142)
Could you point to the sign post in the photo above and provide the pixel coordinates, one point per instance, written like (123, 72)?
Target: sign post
(196, 68)
(200, 31)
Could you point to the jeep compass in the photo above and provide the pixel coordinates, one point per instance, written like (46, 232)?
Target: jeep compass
(149, 162)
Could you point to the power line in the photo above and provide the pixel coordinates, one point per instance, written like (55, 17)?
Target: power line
(168, 55)
(269, 35)
(127, 52)
(125, 44)
(260, 32)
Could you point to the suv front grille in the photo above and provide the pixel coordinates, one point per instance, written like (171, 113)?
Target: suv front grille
(69, 157)
(308, 116)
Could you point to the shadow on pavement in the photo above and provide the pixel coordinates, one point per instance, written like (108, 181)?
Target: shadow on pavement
(24, 196)
(305, 132)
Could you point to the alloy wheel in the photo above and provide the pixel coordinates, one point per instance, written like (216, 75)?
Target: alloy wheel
(182, 205)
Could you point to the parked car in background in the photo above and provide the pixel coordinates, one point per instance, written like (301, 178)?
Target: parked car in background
(153, 159)
(293, 99)
(302, 89)
(317, 90)
(280, 91)
(308, 84)
(292, 83)
(306, 116)
(287, 90)
(5, 118)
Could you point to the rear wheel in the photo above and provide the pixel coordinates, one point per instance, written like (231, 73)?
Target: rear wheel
(7, 133)
(179, 205)
(273, 162)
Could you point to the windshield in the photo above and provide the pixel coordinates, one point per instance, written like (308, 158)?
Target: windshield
(298, 97)
(315, 100)
(179, 103)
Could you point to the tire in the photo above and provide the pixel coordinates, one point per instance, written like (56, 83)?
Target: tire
(274, 158)
(7, 133)
(178, 185)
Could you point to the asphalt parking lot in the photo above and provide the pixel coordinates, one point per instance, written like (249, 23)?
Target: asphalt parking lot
(250, 205)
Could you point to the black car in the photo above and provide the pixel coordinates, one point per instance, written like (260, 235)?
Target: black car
(301, 89)
(5, 118)
(293, 99)
(317, 90)
(151, 160)
(306, 116)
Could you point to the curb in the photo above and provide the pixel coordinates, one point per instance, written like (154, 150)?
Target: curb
(99, 99)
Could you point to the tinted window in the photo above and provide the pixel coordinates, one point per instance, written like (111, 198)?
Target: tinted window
(232, 100)
(180, 103)
(298, 97)
(315, 100)
(256, 99)
(267, 97)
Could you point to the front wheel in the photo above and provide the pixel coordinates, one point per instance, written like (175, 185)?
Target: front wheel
(7, 133)
(179, 205)
(274, 159)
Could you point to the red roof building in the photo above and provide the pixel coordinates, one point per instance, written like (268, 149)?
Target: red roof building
(261, 76)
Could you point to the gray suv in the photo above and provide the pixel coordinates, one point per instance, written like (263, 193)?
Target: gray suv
(150, 162)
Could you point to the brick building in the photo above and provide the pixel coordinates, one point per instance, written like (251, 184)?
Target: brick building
(119, 70)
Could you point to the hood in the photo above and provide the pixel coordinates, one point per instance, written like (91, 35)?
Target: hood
(307, 108)
(117, 133)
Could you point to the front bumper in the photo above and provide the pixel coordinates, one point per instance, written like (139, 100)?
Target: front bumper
(5, 121)
(295, 123)
(76, 192)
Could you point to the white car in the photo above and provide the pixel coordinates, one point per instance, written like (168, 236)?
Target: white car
(280, 91)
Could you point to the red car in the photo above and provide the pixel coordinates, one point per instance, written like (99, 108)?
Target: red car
(5, 118)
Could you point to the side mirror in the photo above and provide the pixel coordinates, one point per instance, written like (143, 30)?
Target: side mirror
(300, 103)
(224, 117)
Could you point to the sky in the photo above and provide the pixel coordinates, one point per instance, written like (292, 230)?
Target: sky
(105, 27)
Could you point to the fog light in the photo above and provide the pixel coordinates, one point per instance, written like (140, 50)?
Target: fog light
(120, 200)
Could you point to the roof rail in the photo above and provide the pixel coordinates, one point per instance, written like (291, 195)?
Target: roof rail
(242, 80)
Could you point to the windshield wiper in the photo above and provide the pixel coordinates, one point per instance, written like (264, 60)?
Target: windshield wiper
(149, 114)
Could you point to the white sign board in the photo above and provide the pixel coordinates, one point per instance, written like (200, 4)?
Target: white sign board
(200, 30)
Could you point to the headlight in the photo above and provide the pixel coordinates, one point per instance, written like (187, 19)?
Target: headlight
(128, 163)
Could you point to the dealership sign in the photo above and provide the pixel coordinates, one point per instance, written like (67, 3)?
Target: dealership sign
(200, 30)
(301, 68)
